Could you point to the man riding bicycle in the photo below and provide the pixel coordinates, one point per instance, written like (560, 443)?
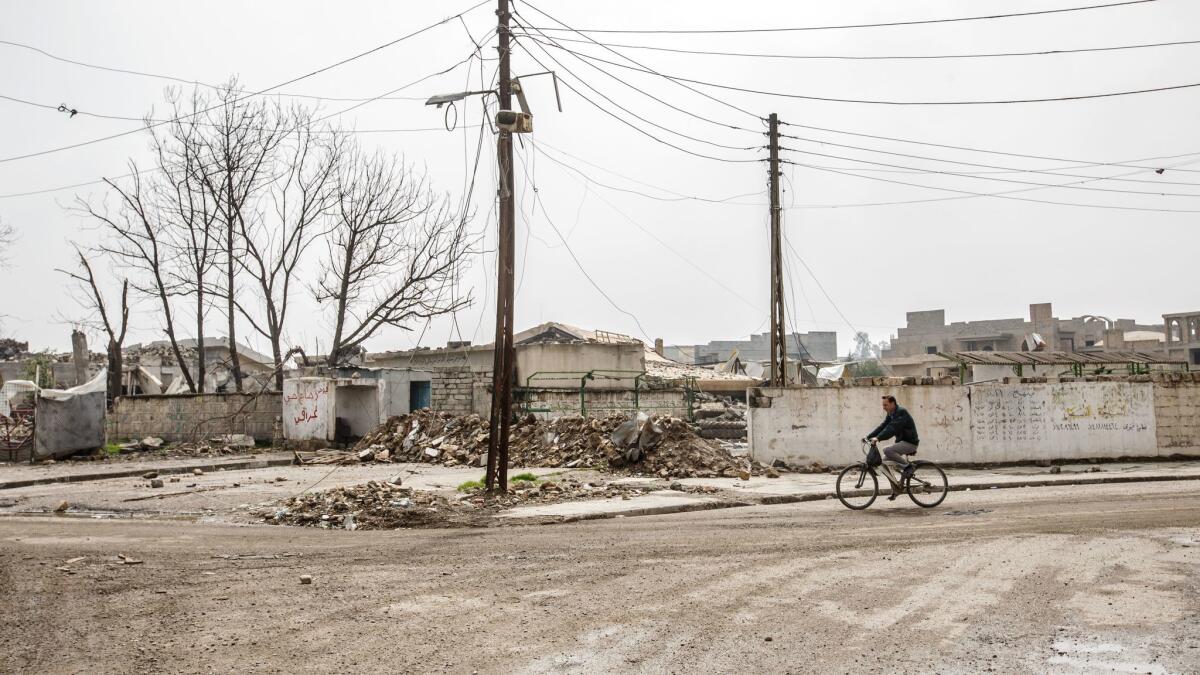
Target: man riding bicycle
(899, 424)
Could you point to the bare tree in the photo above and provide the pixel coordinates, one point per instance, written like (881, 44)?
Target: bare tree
(394, 249)
(236, 151)
(7, 237)
(115, 326)
(294, 214)
(137, 240)
(189, 213)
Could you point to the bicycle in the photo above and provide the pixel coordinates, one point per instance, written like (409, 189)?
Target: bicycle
(927, 486)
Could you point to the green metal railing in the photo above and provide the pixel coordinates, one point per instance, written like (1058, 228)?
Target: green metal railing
(636, 377)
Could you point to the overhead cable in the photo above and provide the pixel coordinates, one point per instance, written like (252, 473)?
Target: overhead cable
(256, 93)
(184, 80)
(995, 195)
(652, 123)
(991, 178)
(689, 113)
(1083, 163)
(877, 57)
(890, 102)
(626, 122)
(1005, 169)
(683, 85)
(889, 24)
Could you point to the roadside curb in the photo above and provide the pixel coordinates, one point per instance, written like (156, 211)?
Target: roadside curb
(130, 473)
(773, 500)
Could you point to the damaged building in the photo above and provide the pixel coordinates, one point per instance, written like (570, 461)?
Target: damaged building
(818, 346)
(915, 348)
(564, 370)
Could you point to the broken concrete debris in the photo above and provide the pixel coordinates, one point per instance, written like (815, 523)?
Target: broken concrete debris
(380, 505)
(660, 446)
(305, 579)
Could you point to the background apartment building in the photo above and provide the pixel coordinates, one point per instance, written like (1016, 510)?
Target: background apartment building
(928, 333)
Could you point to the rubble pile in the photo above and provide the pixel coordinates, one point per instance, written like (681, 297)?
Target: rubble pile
(722, 418)
(379, 505)
(217, 446)
(666, 447)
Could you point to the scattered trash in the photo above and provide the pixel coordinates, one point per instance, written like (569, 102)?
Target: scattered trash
(62, 507)
(305, 579)
(150, 474)
(127, 560)
(156, 483)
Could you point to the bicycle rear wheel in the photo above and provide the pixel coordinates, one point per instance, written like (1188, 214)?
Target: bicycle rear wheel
(857, 487)
(928, 485)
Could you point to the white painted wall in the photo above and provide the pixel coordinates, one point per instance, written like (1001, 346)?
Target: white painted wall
(308, 409)
(976, 424)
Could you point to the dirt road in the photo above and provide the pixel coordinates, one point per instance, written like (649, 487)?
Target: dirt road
(1075, 579)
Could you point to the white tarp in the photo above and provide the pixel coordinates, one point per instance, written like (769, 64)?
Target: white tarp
(10, 390)
(99, 383)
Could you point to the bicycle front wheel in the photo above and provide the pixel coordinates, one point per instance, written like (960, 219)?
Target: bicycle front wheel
(857, 487)
(928, 485)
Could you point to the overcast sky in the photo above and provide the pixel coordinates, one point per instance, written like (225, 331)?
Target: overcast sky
(689, 271)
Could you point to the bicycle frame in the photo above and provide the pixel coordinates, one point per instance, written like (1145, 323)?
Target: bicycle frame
(897, 483)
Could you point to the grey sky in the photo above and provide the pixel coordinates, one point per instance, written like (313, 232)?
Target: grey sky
(976, 257)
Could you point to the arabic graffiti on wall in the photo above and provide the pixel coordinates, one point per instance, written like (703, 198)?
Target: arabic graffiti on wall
(1116, 415)
(307, 404)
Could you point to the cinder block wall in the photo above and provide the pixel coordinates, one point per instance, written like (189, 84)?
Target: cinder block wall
(551, 404)
(1177, 410)
(452, 389)
(194, 417)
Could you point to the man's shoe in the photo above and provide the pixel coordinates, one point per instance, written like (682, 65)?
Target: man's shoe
(895, 493)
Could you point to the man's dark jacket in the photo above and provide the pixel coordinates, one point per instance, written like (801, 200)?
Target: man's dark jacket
(899, 424)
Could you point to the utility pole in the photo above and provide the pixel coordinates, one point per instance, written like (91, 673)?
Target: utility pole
(504, 354)
(778, 334)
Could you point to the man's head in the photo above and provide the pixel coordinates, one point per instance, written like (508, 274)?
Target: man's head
(889, 403)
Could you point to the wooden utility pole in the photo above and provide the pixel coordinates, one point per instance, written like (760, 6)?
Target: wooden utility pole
(778, 332)
(504, 354)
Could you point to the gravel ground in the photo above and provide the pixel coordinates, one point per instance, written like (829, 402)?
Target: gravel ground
(1072, 579)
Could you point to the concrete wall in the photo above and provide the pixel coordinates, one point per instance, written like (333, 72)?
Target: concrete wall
(192, 417)
(308, 408)
(578, 357)
(358, 406)
(992, 422)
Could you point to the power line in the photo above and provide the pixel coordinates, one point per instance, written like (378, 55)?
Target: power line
(184, 80)
(540, 204)
(834, 99)
(967, 195)
(672, 106)
(677, 198)
(257, 93)
(977, 176)
(705, 94)
(889, 57)
(627, 110)
(626, 122)
(686, 31)
(996, 195)
(160, 122)
(655, 237)
(1083, 163)
(1013, 180)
